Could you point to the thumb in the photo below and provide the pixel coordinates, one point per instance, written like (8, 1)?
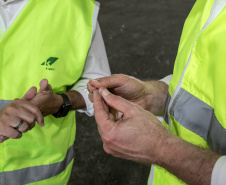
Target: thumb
(30, 94)
(116, 102)
(44, 86)
(101, 114)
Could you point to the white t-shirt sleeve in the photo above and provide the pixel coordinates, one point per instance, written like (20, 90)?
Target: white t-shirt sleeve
(96, 66)
(166, 79)
(219, 172)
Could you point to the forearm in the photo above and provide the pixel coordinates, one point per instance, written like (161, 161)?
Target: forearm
(188, 162)
(156, 95)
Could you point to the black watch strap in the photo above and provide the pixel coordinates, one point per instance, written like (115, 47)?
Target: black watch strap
(65, 108)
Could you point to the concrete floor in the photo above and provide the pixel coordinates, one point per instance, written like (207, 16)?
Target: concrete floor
(141, 39)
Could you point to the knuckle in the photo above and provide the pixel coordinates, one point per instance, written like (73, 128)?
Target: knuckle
(10, 109)
(31, 126)
(31, 119)
(36, 111)
(16, 100)
(4, 117)
(107, 138)
(107, 150)
(25, 128)
(16, 136)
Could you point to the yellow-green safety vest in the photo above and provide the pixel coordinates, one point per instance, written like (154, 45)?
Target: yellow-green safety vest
(48, 39)
(195, 109)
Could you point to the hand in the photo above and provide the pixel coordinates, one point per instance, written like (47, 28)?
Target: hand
(17, 110)
(46, 100)
(149, 95)
(137, 136)
(125, 86)
(140, 137)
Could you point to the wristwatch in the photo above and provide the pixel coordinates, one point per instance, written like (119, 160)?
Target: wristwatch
(65, 108)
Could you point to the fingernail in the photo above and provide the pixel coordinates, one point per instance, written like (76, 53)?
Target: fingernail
(105, 92)
(100, 90)
(96, 81)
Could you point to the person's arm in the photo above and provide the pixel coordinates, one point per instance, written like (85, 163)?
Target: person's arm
(191, 163)
(139, 136)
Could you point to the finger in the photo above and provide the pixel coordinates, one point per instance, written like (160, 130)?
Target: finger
(10, 132)
(106, 107)
(101, 116)
(117, 102)
(95, 84)
(109, 110)
(30, 94)
(109, 82)
(24, 127)
(91, 88)
(31, 126)
(3, 138)
(107, 149)
(30, 113)
(44, 86)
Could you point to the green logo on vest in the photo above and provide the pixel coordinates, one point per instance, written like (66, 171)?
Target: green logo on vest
(49, 62)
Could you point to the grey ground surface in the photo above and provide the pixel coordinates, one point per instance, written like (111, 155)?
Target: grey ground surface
(141, 39)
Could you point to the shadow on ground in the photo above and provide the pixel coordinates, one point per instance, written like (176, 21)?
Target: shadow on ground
(141, 39)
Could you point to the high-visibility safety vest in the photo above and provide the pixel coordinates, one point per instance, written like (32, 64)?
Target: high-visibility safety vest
(196, 109)
(48, 39)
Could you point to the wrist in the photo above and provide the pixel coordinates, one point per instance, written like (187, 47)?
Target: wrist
(58, 103)
(168, 149)
(65, 107)
(156, 95)
(162, 148)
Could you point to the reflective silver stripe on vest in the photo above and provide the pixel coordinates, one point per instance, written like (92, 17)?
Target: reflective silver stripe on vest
(166, 116)
(3, 103)
(198, 117)
(36, 173)
(151, 177)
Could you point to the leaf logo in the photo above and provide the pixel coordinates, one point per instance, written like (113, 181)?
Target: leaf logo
(49, 62)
